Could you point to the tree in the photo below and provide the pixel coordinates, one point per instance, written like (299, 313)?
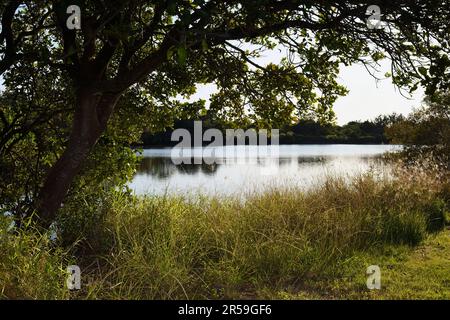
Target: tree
(38, 108)
(18, 28)
(425, 134)
(155, 50)
(7, 38)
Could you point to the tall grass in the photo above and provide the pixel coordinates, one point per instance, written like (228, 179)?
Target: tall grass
(170, 247)
(31, 267)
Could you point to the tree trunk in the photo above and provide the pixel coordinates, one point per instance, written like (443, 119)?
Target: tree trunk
(90, 119)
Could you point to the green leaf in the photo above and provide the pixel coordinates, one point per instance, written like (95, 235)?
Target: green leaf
(170, 52)
(423, 71)
(204, 45)
(181, 54)
(172, 8)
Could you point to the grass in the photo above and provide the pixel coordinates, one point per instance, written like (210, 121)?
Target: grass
(423, 274)
(30, 266)
(288, 244)
(406, 273)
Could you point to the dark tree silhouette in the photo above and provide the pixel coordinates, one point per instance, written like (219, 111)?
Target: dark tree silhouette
(166, 46)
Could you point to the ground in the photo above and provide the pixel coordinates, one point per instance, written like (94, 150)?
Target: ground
(422, 272)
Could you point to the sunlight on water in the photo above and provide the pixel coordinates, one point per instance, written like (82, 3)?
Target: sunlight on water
(240, 170)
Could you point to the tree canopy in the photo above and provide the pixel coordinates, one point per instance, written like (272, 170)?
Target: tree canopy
(426, 134)
(78, 96)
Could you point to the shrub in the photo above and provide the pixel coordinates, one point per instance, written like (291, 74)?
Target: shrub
(31, 267)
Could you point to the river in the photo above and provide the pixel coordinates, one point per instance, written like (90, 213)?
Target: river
(243, 170)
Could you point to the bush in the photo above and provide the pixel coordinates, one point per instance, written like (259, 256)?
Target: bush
(172, 248)
(31, 267)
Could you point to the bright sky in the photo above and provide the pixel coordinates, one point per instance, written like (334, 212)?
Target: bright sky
(366, 100)
(367, 97)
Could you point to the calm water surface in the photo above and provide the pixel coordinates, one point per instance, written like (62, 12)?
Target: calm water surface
(241, 170)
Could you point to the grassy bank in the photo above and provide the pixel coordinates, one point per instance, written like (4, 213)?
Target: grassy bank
(282, 244)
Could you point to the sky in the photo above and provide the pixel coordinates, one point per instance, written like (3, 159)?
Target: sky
(367, 97)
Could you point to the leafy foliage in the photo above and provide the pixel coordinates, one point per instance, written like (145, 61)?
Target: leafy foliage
(75, 99)
(426, 134)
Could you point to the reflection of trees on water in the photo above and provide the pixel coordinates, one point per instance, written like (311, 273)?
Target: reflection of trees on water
(157, 167)
(209, 169)
(188, 169)
(262, 162)
(286, 161)
(163, 168)
(301, 160)
(308, 160)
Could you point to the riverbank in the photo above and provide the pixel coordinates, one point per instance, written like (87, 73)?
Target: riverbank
(303, 132)
(287, 244)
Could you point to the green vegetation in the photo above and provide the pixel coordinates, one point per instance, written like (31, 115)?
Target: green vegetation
(74, 99)
(425, 133)
(282, 244)
(303, 132)
(31, 267)
(406, 273)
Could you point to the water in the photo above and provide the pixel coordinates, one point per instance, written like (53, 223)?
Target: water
(241, 170)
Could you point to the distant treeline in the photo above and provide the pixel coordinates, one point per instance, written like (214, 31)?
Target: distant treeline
(304, 132)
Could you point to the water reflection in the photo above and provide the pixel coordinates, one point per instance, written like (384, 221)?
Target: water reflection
(162, 168)
(300, 165)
